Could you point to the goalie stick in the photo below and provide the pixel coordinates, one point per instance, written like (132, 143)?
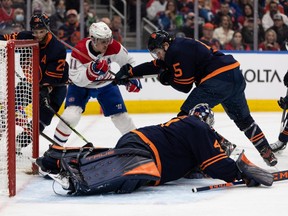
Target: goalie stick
(278, 176)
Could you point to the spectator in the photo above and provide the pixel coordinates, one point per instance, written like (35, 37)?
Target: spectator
(247, 13)
(270, 42)
(19, 17)
(70, 31)
(204, 7)
(248, 32)
(45, 6)
(6, 13)
(106, 20)
(153, 8)
(17, 22)
(116, 27)
(208, 39)
(224, 32)
(267, 20)
(225, 11)
(237, 43)
(189, 27)
(169, 20)
(280, 28)
(89, 16)
(58, 19)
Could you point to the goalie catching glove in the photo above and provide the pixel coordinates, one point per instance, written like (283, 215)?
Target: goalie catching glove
(97, 70)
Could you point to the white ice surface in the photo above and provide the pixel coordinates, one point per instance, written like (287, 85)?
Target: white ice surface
(36, 197)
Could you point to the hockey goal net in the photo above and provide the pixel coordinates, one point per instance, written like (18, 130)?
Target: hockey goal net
(19, 115)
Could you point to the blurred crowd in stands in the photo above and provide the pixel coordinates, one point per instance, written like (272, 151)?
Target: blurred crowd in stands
(223, 24)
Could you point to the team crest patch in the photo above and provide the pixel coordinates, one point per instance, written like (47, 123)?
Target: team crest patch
(71, 99)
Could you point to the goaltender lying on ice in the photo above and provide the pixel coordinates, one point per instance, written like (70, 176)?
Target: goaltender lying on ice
(147, 156)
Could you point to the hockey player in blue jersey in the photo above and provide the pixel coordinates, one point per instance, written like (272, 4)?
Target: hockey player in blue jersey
(151, 155)
(181, 62)
(52, 72)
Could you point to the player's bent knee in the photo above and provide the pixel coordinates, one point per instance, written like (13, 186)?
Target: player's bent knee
(123, 122)
(72, 115)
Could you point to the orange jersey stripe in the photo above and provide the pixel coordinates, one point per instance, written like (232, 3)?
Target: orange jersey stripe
(153, 148)
(212, 160)
(52, 74)
(220, 70)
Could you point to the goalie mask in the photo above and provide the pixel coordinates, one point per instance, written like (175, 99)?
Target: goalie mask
(100, 33)
(204, 113)
(39, 21)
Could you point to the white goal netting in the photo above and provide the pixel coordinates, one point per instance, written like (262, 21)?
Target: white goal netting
(19, 92)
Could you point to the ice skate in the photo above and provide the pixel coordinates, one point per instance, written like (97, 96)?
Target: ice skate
(268, 156)
(278, 146)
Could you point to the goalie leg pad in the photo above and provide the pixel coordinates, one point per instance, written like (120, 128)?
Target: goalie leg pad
(252, 174)
(117, 170)
(50, 161)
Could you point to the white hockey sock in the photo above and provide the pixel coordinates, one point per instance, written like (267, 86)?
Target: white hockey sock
(123, 122)
(71, 115)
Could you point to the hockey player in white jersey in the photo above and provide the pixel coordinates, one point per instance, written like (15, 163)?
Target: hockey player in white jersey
(90, 63)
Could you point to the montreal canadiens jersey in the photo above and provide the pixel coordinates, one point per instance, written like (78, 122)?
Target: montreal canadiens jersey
(84, 54)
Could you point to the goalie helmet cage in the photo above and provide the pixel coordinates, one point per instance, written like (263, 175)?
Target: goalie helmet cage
(19, 113)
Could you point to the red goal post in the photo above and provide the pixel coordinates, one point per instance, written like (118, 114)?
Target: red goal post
(19, 113)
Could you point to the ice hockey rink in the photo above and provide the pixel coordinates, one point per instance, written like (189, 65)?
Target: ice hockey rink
(37, 198)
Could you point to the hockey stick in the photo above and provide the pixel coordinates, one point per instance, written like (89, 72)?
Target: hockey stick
(278, 176)
(284, 117)
(89, 58)
(66, 123)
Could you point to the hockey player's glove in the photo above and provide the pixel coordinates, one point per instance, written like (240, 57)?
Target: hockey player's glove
(283, 102)
(96, 69)
(133, 85)
(123, 75)
(252, 174)
(44, 96)
(285, 80)
(164, 77)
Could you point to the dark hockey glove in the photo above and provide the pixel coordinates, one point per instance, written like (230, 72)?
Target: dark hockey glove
(164, 77)
(96, 69)
(123, 75)
(133, 85)
(283, 102)
(285, 80)
(44, 96)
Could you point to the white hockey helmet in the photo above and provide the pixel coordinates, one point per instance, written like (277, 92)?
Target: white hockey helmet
(101, 31)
